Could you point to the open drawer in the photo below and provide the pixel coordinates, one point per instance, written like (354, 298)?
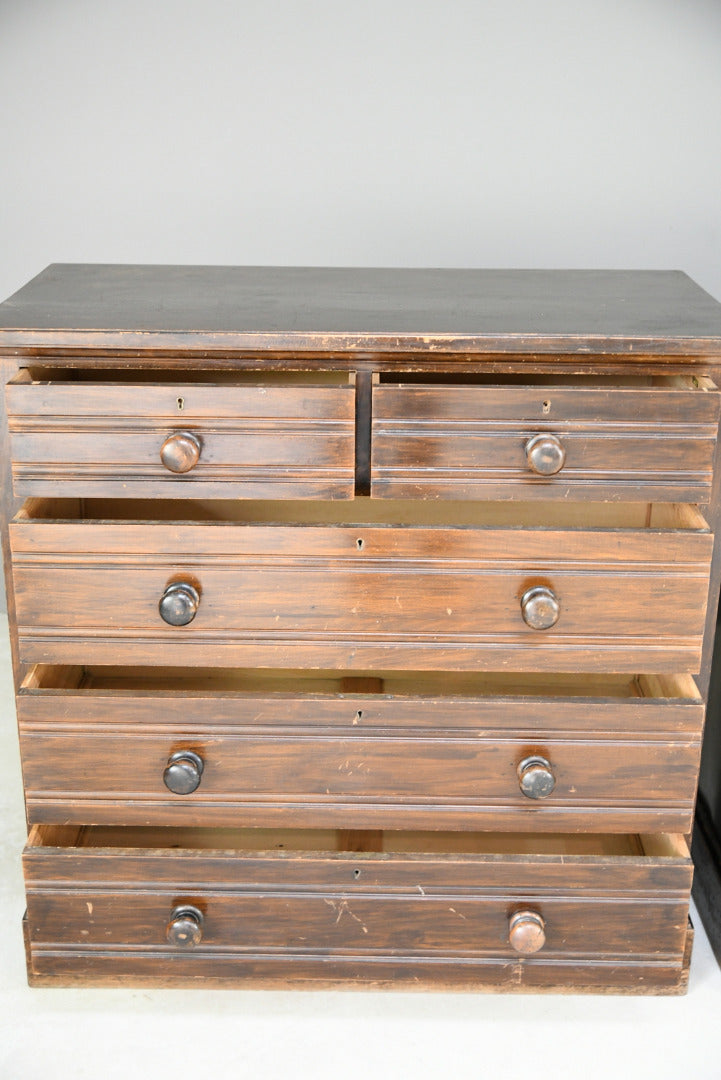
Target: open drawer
(474, 910)
(545, 437)
(174, 747)
(408, 586)
(249, 435)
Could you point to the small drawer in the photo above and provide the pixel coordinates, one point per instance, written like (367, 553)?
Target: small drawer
(578, 753)
(507, 586)
(648, 439)
(260, 436)
(474, 910)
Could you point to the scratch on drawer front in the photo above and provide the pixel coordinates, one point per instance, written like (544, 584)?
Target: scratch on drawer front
(342, 908)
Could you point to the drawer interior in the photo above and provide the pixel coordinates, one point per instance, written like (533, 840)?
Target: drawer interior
(128, 838)
(258, 372)
(560, 379)
(365, 511)
(39, 376)
(46, 678)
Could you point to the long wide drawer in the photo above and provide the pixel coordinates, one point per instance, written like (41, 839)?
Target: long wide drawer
(618, 589)
(468, 910)
(553, 439)
(253, 437)
(610, 754)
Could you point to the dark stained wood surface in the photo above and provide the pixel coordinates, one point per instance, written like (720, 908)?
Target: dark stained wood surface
(469, 441)
(257, 440)
(360, 597)
(634, 757)
(320, 309)
(73, 968)
(360, 760)
(318, 912)
(9, 505)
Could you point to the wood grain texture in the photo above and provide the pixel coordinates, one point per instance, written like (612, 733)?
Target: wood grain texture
(359, 760)
(438, 592)
(9, 505)
(360, 598)
(629, 978)
(361, 310)
(469, 442)
(358, 912)
(258, 441)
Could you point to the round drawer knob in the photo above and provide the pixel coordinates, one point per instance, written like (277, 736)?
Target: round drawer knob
(545, 454)
(179, 604)
(183, 772)
(526, 932)
(185, 929)
(536, 778)
(540, 607)
(180, 452)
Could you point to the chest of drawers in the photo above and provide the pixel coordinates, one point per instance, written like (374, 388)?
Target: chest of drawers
(361, 622)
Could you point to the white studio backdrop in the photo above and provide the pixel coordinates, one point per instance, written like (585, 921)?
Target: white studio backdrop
(581, 133)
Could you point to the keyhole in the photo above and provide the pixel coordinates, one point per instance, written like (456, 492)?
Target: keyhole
(356, 874)
(359, 544)
(181, 403)
(546, 406)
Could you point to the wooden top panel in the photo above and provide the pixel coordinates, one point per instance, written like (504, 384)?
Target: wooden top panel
(381, 310)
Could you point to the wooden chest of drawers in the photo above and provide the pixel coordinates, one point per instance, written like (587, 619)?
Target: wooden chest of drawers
(361, 622)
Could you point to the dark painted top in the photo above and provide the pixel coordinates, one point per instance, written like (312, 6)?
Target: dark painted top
(362, 309)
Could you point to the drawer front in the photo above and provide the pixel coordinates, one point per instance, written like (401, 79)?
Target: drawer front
(235, 441)
(360, 598)
(471, 442)
(360, 915)
(360, 761)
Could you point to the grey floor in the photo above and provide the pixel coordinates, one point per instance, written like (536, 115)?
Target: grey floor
(190, 1035)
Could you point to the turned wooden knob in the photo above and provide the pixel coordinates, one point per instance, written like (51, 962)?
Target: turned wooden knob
(180, 452)
(178, 605)
(526, 932)
(535, 777)
(540, 607)
(185, 929)
(183, 772)
(545, 454)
